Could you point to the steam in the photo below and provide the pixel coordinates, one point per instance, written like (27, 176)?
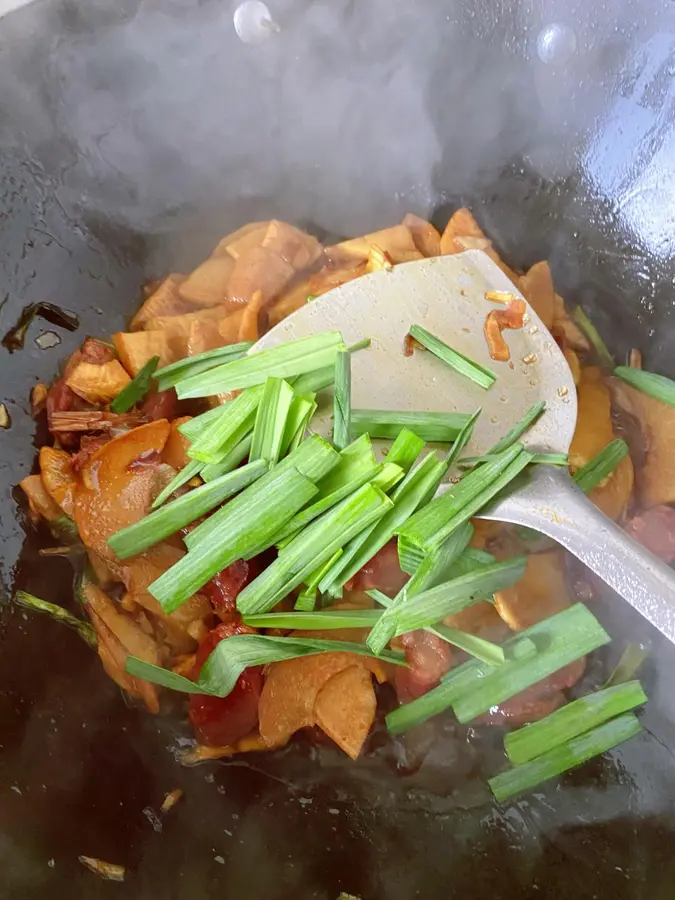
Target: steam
(353, 115)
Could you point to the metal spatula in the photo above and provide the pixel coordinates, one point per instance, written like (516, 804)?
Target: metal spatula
(447, 296)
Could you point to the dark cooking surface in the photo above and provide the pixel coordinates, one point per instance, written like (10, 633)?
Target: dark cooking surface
(112, 115)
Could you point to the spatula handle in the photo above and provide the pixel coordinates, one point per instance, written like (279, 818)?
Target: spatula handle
(552, 504)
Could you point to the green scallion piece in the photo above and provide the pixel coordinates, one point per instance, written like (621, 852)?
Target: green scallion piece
(451, 597)
(321, 505)
(303, 407)
(313, 382)
(363, 344)
(342, 400)
(574, 719)
(388, 476)
(387, 423)
(137, 388)
(463, 438)
(518, 429)
(570, 635)
(284, 361)
(228, 660)
(406, 448)
(355, 459)
(313, 579)
(306, 600)
(470, 643)
(538, 459)
(312, 548)
(314, 458)
(326, 619)
(566, 756)
(187, 473)
(428, 573)
(602, 465)
(170, 375)
(453, 358)
(84, 629)
(409, 556)
(237, 455)
(657, 386)
(235, 421)
(195, 427)
(406, 498)
(435, 521)
(593, 335)
(630, 661)
(270, 420)
(173, 516)
(560, 640)
(247, 522)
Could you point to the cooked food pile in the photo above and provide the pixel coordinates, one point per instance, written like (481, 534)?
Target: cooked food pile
(279, 581)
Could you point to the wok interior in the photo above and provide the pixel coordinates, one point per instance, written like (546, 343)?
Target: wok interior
(324, 828)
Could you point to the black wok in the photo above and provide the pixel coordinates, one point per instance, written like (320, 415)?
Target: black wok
(134, 134)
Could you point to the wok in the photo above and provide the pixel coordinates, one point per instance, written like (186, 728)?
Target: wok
(134, 134)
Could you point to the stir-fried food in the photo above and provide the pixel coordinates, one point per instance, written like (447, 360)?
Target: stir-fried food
(282, 582)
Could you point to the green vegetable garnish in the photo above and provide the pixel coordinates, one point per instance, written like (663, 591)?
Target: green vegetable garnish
(235, 421)
(566, 756)
(574, 719)
(453, 358)
(602, 465)
(657, 386)
(84, 629)
(137, 388)
(342, 400)
(388, 423)
(593, 335)
(270, 420)
(169, 376)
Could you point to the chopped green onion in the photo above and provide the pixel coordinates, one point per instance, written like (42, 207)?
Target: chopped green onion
(572, 720)
(313, 579)
(519, 428)
(451, 597)
(409, 556)
(312, 548)
(187, 473)
(560, 639)
(321, 505)
(237, 455)
(342, 400)
(593, 335)
(233, 424)
(407, 496)
(538, 459)
(355, 459)
(283, 361)
(453, 358)
(630, 661)
(363, 344)
(173, 516)
(388, 476)
(474, 646)
(566, 756)
(270, 420)
(137, 388)
(388, 423)
(463, 438)
(313, 382)
(327, 619)
(314, 458)
(434, 522)
(306, 600)
(230, 657)
(601, 466)
(470, 560)
(247, 522)
(406, 448)
(195, 427)
(84, 629)
(657, 386)
(170, 375)
(303, 407)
